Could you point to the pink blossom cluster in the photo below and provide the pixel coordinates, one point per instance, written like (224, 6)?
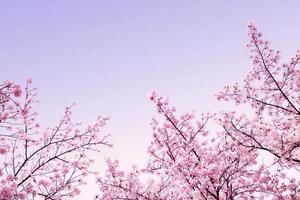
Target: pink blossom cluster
(188, 161)
(42, 164)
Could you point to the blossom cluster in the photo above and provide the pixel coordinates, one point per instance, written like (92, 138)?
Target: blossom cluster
(188, 161)
(42, 164)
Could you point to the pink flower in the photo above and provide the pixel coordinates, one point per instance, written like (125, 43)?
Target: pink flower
(17, 91)
(3, 151)
(43, 182)
(76, 191)
(29, 81)
(22, 195)
(10, 177)
(4, 116)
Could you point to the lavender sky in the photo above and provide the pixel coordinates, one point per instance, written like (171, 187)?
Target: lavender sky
(108, 55)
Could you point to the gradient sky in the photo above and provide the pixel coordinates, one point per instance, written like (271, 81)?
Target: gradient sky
(108, 55)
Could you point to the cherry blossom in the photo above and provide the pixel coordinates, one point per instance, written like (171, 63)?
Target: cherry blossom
(189, 161)
(40, 163)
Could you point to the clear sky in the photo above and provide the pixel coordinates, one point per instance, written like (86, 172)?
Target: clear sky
(108, 55)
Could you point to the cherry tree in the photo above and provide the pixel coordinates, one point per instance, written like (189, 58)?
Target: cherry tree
(272, 90)
(188, 161)
(42, 164)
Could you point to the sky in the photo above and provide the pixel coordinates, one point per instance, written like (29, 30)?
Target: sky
(107, 56)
